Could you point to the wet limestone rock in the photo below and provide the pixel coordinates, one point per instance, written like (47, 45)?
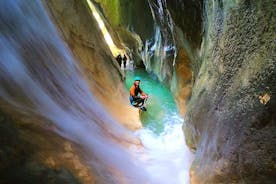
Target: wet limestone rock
(22, 158)
(188, 16)
(231, 115)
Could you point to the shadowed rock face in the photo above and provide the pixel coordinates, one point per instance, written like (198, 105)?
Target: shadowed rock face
(231, 115)
(21, 159)
(188, 16)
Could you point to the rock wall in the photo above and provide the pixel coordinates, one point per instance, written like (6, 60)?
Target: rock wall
(28, 155)
(82, 34)
(188, 24)
(231, 115)
(188, 16)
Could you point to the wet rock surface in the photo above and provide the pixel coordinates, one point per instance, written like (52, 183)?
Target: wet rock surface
(19, 161)
(188, 16)
(231, 114)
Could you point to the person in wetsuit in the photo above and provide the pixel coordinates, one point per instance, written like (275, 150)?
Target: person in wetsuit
(137, 96)
(119, 59)
(124, 60)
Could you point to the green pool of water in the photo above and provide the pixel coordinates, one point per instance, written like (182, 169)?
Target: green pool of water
(161, 106)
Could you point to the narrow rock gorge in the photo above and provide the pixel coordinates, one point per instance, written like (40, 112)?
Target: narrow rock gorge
(223, 76)
(65, 116)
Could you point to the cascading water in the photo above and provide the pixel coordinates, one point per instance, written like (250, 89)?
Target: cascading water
(160, 52)
(39, 77)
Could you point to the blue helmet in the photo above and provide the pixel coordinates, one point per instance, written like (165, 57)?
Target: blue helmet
(137, 78)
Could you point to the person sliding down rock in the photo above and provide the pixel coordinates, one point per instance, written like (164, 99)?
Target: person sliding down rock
(135, 99)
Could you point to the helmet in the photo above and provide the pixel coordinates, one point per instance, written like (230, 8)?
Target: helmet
(137, 78)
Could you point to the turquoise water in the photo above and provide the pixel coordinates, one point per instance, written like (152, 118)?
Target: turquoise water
(161, 106)
(162, 137)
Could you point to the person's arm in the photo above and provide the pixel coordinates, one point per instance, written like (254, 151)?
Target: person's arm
(143, 95)
(132, 91)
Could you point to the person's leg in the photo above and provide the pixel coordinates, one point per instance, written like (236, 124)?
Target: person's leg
(139, 102)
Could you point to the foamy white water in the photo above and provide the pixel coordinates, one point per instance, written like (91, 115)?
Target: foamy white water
(166, 156)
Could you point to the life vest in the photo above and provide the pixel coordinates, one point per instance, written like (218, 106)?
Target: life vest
(134, 91)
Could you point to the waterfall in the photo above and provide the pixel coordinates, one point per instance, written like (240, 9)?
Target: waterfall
(160, 52)
(39, 77)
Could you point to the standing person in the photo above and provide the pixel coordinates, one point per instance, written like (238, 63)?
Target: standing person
(119, 59)
(135, 99)
(124, 60)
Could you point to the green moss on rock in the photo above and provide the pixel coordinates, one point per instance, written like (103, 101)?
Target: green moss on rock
(112, 10)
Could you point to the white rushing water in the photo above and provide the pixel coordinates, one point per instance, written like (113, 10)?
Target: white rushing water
(167, 157)
(163, 45)
(38, 76)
